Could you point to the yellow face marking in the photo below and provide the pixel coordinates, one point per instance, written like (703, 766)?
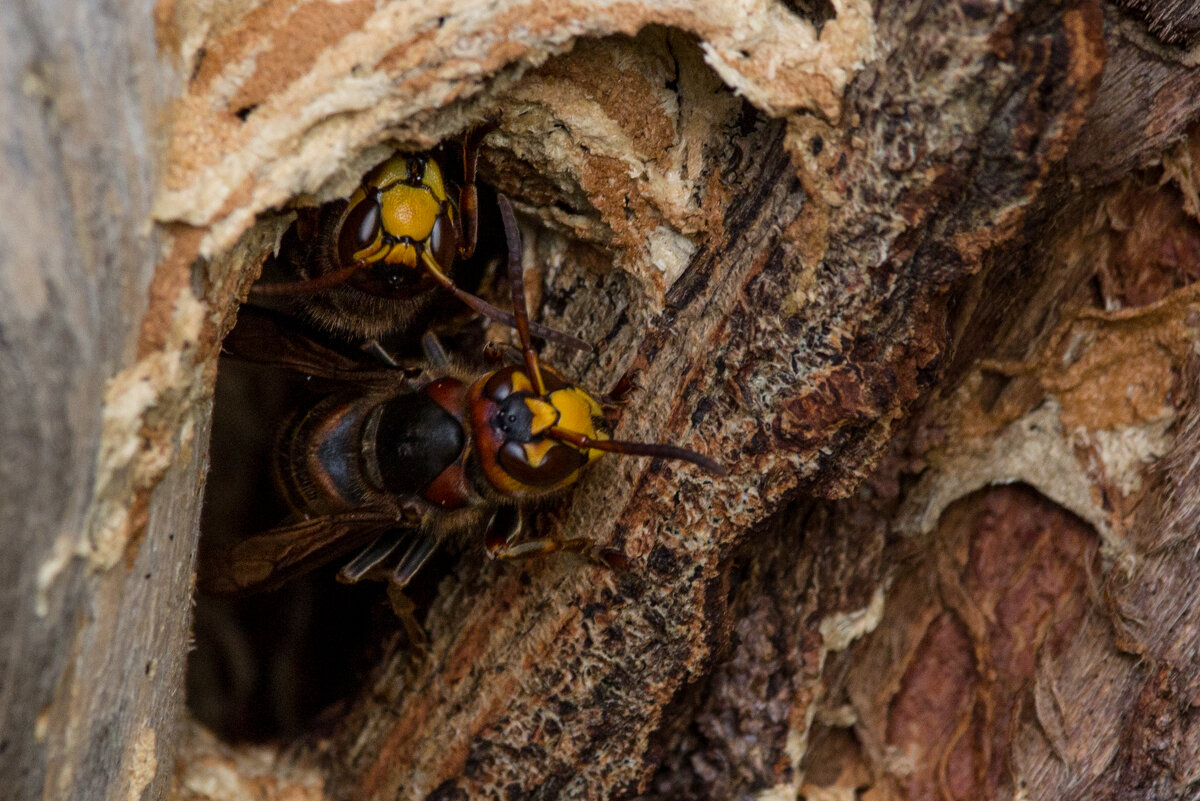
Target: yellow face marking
(570, 409)
(433, 179)
(398, 169)
(535, 452)
(394, 170)
(408, 211)
(521, 382)
(372, 252)
(577, 411)
(544, 415)
(402, 254)
(405, 210)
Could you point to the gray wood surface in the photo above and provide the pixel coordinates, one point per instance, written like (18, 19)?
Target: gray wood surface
(93, 604)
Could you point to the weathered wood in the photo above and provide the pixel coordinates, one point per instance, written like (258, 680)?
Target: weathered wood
(95, 567)
(791, 222)
(788, 298)
(810, 316)
(1040, 636)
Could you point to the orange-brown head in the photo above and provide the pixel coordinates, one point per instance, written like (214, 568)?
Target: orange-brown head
(534, 430)
(400, 234)
(513, 426)
(398, 218)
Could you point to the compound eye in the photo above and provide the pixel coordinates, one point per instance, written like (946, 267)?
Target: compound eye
(360, 228)
(443, 241)
(500, 385)
(557, 467)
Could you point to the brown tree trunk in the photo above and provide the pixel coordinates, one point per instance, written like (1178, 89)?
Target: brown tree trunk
(921, 274)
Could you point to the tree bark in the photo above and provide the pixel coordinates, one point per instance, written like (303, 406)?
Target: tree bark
(103, 426)
(921, 275)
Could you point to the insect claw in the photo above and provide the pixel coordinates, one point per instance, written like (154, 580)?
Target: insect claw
(610, 557)
(406, 612)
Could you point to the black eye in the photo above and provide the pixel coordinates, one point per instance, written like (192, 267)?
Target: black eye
(358, 229)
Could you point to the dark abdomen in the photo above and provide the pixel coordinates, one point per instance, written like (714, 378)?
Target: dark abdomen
(319, 456)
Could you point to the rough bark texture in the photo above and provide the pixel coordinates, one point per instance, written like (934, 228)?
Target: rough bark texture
(99, 459)
(921, 274)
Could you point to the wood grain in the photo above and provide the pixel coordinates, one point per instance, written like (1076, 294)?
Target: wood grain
(876, 258)
(99, 477)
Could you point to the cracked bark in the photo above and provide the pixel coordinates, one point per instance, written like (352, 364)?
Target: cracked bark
(881, 260)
